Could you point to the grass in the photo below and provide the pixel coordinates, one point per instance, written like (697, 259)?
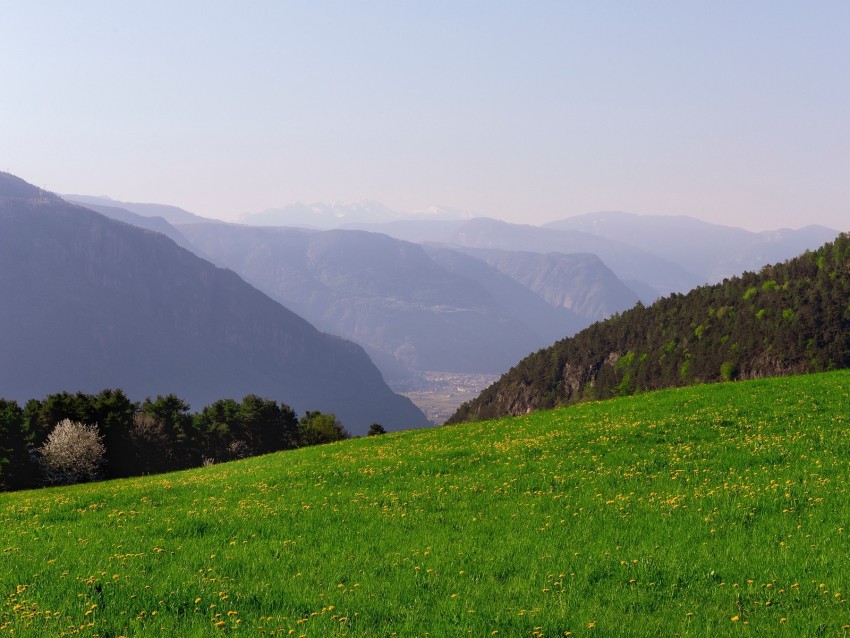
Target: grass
(714, 510)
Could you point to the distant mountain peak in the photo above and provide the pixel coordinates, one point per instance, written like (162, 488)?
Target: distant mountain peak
(326, 216)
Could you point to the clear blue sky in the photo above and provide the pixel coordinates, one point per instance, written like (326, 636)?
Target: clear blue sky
(736, 112)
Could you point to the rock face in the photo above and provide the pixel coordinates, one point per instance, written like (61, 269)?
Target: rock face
(91, 303)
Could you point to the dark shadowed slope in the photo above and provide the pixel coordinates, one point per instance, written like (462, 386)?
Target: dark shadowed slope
(91, 303)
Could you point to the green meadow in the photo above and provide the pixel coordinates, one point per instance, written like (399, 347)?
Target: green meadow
(712, 510)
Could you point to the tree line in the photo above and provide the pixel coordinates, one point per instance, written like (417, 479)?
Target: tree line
(55, 440)
(792, 317)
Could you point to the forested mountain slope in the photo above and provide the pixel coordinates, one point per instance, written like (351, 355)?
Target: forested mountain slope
(789, 318)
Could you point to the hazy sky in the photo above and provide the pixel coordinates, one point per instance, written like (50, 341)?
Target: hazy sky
(736, 112)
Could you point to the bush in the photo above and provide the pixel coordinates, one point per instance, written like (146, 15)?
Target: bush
(73, 452)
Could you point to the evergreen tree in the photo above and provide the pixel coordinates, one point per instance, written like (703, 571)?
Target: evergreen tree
(16, 470)
(316, 428)
(171, 413)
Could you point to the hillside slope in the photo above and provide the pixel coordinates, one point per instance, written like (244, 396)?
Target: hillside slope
(94, 303)
(707, 511)
(789, 318)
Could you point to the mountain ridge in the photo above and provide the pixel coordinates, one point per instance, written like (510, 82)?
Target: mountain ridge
(323, 216)
(171, 214)
(711, 251)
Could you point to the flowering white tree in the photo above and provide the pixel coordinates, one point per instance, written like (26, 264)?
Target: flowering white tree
(73, 452)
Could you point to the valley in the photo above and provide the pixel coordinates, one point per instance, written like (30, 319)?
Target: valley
(471, 296)
(440, 394)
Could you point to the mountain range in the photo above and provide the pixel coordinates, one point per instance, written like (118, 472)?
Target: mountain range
(323, 216)
(646, 273)
(95, 303)
(408, 321)
(710, 251)
(412, 309)
(448, 293)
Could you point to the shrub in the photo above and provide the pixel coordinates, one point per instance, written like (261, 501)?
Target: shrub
(73, 452)
(376, 429)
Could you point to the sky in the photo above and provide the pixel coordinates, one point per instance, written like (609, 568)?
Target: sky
(528, 111)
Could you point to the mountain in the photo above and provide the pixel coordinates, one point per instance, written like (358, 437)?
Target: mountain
(792, 317)
(171, 214)
(156, 223)
(417, 231)
(578, 282)
(388, 295)
(337, 215)
(94, 303)
(710, 251)
(523, 303)
(655, 276)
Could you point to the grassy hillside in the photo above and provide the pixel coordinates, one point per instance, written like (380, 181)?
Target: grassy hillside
(712, 510)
